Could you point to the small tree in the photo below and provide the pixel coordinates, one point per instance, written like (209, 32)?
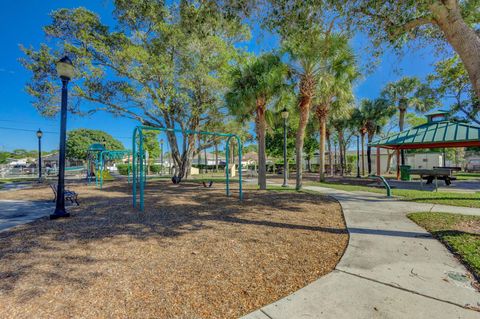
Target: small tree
(79, 140)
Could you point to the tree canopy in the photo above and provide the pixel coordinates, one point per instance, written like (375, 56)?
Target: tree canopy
(79, 140)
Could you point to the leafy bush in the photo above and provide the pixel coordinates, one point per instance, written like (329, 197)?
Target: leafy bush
(123, 168)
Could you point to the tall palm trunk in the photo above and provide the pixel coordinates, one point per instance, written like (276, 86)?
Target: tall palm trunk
(322, 113)
(216, 157)
(261, 130)
(401, 123)
(341, 150)
(363, 152)
(330, 155)
(369, 153)
(304, 107)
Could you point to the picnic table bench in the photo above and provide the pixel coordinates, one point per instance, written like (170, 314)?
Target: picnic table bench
(442, 173)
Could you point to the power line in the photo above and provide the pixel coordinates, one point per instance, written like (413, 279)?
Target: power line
(50, 132)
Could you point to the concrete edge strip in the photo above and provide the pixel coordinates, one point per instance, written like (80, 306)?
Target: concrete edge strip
(408, 290)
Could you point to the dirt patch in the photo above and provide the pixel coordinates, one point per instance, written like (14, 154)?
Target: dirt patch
(193, 253)
(471, 226)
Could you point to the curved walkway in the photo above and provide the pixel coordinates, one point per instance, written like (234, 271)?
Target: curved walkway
(392, 268)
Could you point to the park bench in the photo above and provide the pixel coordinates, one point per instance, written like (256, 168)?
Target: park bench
(69, 195)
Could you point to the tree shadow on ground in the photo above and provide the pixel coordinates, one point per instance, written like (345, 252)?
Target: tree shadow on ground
(170, 211)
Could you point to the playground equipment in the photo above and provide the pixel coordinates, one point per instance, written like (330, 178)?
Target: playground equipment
(139, 160)
(93, 153)
(106, 156)
(97, 156)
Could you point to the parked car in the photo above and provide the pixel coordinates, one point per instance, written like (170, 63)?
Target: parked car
(473, 165)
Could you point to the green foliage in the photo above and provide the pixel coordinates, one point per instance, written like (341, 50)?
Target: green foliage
(79, 140)
(124, 168)
(373, 115)
(164, 65)
(449, 228)
(451, 82)
(151, 145)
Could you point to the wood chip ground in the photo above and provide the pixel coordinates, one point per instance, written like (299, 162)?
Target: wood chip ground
(193, 253)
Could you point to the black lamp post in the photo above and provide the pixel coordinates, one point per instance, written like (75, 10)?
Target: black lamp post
(66, 72)
(39, 135)
(358, 156)
(161, 156)
(285, 162)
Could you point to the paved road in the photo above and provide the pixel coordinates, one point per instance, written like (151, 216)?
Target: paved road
(15, 212)
(392, 268)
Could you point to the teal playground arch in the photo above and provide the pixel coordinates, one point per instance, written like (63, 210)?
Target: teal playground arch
(98, 156)
(139, 160)
(105, 156)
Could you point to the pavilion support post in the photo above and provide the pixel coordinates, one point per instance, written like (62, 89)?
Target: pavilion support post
(378, 162)
(398, 164)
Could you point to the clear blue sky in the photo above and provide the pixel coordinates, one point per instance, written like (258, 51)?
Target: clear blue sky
(22, 24)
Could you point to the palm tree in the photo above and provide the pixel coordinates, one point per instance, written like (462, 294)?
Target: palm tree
(308, 50)
(335, 84)
(360, 123)
(406, 93)
(253, 87)
(375, 114)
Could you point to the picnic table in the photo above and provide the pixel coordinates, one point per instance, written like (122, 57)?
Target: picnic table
(442, 173)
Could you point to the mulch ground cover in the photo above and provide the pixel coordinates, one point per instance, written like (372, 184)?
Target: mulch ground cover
(193, 253)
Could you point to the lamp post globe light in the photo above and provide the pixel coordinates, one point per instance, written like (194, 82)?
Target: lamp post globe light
(285, 162)
(66, 72)
(39, 163)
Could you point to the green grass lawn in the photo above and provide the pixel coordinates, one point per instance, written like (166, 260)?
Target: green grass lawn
(457, 233)
(15, 180)
(462, 176)
(444, 198)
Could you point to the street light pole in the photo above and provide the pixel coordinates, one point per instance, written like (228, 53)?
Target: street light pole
(358, 156)
(39, 135)
(65, 71)
(285, 162)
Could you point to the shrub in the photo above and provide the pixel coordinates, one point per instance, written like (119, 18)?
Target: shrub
(123, 168)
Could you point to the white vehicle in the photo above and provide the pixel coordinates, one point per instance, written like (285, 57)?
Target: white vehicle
(473, 165)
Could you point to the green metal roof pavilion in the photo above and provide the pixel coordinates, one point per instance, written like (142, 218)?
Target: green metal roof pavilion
(436, 133)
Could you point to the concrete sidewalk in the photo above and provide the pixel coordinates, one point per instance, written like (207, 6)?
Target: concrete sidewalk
(18, 212)
(392, 268)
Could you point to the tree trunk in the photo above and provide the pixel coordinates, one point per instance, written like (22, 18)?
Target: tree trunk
(462, 38)
(261, 130)
(340, 146)
(307, 88)
(330, 155)
(401, 124)
(363, 153)
(304, 107)
(323, 130)
(216, 157)
(369, 154)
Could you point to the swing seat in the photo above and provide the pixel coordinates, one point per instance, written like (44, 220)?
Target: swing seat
(209, 184)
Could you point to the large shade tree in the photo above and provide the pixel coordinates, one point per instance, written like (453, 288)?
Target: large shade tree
(163, 65)
(254, 86)
(450, 81)
(423, 22)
